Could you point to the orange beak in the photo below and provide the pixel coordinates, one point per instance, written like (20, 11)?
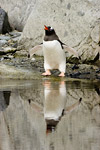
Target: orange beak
(45, 28)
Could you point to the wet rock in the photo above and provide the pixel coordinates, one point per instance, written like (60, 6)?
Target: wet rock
(98, 70)
(15, 45)
(21, 53)
(75, 67)
(4, 37)
(4, 23)
(8, 57)
(98, 76)
(15, 39)
(7, 50)
(12, 72)
(20, 60)
(15, 33)
(9, 42)
(2, 42)
(75, 75)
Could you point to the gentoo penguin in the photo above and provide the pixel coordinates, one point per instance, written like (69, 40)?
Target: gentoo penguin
(53, 51)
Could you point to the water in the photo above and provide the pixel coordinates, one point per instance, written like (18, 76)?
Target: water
(47, 115)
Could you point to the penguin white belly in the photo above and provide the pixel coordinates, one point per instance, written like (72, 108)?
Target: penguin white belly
(54, 55)
(55, 100)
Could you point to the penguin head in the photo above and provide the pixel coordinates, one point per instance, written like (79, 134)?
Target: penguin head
(49, 30)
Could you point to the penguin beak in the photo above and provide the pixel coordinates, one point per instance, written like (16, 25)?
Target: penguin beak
(45, 28)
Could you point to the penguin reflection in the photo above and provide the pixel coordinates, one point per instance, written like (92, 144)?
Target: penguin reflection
(55, 103)
(55, 98)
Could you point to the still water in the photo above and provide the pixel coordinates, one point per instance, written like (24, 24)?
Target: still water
(50, 115)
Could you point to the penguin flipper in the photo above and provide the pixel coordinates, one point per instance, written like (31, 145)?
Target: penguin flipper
(35, 49)
(72, 107)
(70, 50)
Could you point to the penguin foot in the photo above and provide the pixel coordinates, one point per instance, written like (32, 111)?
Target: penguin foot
(62, 74)
(47, 73)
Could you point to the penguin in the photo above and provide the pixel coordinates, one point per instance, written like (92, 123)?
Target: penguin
(53, 52)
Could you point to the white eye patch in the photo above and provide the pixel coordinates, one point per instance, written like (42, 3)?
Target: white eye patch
(51, 28)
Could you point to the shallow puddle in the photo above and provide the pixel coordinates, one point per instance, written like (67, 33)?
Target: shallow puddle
(49, 114)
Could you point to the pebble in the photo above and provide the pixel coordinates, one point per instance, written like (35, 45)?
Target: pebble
(7, 50)
(33, 59)
(8, 42)
(15, 39)
(76, 74)
(10, 56)
(1, 59)
(15, 45)
(15, 33)
(4, 37)
(75, 67)
(2, 42)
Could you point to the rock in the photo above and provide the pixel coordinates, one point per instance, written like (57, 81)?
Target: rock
(4, 23)
(88, 50)
(96, 113)
(75, 75)
(94, 33)
(2, 58)
(33, 59)
(15, 33)
(15, 39)
(15, 45)
(75, 67)
(77, 28)
(2, 42)
(4, 37)
(8, 57)
(4, 99)
(21, 53)
(7, 50)
(11, 72)
(18, 14)
(98, 76)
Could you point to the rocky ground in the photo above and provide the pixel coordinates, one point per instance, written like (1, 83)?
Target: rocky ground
(14, 62)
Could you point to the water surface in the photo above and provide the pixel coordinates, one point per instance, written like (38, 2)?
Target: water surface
(46, 114)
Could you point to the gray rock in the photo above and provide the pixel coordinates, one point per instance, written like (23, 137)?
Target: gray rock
(74, 28)
(18, 13)
(7, 50)
(15, 33)
(15, 45)
(4, 23)
(95, 33)
(76, 23)
(2, 42)
(4, 37)
(10, 72)
(2, 58)
(16, 38)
